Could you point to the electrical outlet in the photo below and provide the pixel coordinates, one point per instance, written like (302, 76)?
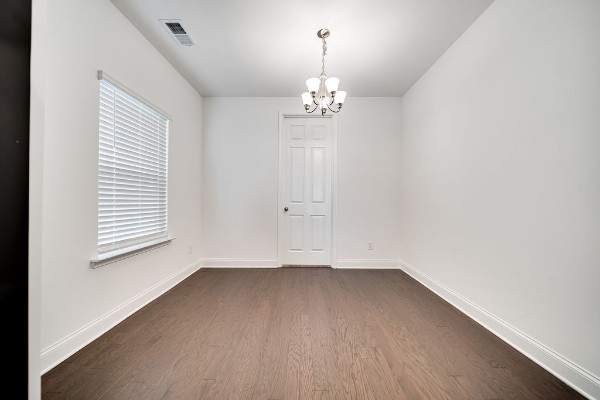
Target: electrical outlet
(190, 249)
(369, 245)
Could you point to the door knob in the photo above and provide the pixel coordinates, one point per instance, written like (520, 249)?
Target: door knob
(285, 209)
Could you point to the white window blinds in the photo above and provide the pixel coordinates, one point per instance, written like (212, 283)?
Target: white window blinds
(132, 171)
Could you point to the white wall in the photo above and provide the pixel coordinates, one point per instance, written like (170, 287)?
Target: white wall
(500, 171)
(82, 37)
(240, 176)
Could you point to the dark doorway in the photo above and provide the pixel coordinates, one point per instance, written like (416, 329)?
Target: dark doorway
(15, 48)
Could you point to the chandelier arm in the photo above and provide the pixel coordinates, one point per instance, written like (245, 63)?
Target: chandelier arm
(333, 111)
(313, 110)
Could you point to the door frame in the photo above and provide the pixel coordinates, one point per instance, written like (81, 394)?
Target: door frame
(280, 183)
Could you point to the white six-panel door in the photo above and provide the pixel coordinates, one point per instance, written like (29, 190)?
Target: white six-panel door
(305, 224)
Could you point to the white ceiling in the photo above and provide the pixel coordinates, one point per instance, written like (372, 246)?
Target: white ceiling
(270, 47)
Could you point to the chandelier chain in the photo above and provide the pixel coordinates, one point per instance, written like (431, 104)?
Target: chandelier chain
(323, 57)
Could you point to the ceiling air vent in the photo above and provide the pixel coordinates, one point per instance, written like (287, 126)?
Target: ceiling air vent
(177, 31)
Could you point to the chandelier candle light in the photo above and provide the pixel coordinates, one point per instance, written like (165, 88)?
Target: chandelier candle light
(323, 92)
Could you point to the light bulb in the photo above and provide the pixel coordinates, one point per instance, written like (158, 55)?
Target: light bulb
(332, 84)
(340, 97)
(313, 85)
(306, 98)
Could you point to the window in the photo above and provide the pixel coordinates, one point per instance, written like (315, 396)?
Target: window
(132, 171)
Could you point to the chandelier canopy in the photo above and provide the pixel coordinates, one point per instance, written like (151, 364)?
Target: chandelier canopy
(323, 92)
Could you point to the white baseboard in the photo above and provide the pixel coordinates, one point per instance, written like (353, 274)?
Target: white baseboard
(564, 369)
(342, 264)
(238, 263)
(368, 264)
(64, 348)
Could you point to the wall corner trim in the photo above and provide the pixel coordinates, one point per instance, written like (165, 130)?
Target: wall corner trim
(564, 369)
(70, 344)
(368, 264)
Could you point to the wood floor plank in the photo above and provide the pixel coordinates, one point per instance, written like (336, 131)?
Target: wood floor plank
(246, 307)
(270, 381)
(317, 324)
(298, 381)
(300, 333)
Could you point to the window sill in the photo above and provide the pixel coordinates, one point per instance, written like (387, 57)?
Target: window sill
(116, 255)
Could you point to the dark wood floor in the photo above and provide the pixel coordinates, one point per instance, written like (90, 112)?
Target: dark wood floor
(300, 333)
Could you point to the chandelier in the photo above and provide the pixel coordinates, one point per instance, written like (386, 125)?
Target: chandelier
(323, 92)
